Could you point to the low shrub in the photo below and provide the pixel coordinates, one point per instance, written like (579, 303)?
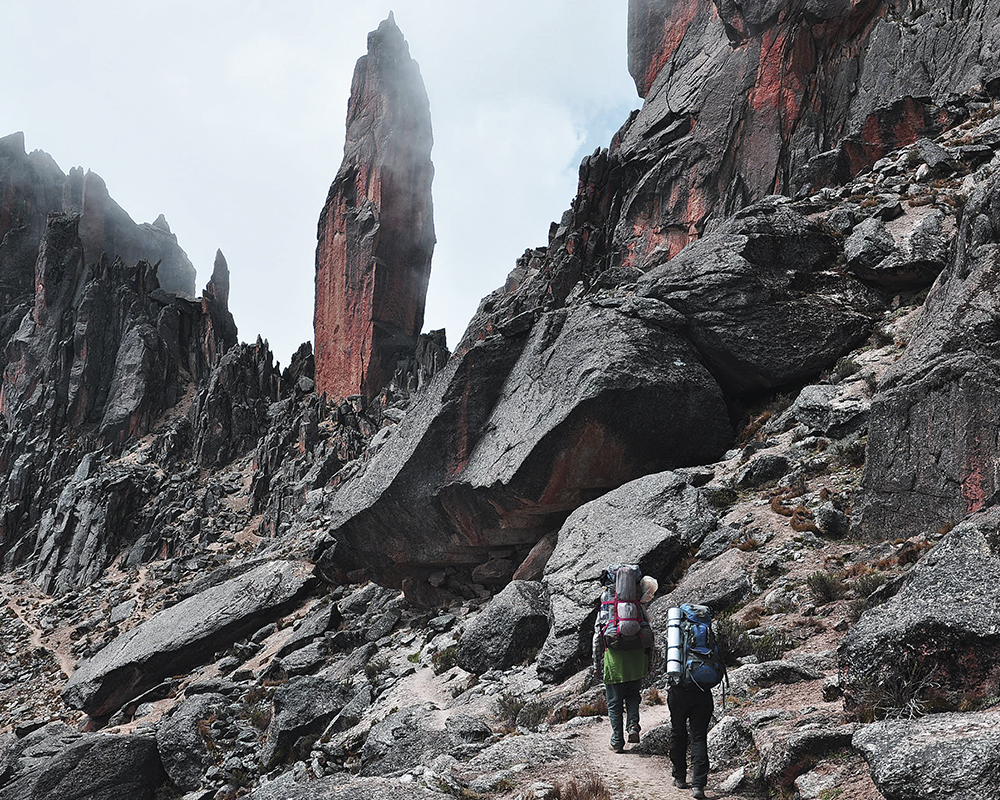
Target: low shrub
(733, 639)
(591, 787)
(771, 645)
(509, 705)
(444, 660)
(825, 587)
(376, 667)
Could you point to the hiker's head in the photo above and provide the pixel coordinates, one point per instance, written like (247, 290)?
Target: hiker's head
(647, 588)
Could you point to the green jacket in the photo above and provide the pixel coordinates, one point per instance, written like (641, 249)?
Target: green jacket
(622, 666)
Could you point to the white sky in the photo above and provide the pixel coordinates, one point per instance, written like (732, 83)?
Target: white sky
(227, 116)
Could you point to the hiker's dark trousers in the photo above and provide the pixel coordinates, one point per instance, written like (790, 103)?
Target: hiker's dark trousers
(623, 695)
(690, 708)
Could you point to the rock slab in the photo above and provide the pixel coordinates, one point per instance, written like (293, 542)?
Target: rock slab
(182, 636)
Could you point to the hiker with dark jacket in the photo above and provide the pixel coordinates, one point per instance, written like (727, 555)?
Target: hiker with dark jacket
(694, 666)
(622, 670)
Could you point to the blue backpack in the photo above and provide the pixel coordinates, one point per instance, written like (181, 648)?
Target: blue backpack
(704, 667)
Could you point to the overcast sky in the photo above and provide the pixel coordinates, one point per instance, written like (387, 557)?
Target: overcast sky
(228, 116)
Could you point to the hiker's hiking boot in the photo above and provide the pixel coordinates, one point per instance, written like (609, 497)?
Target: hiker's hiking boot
(698, 792)
(681, 783)
(618, 748)
(633, 734)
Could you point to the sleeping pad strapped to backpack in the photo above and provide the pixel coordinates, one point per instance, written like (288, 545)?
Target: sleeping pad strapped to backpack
(623, 622)
(704, 667)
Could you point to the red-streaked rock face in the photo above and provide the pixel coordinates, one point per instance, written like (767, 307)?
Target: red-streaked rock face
(376, 232)
(745, 100)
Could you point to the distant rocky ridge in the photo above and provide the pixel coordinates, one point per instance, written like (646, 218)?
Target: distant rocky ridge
(32, 186)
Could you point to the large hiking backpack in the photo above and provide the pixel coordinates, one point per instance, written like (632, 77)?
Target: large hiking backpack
(622, 620)
(704, 667)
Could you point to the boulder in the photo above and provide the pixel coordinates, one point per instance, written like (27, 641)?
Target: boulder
(465, 729)
(511, 627)
(58, 763)
(940, 756)
(747, 679)
(302, 707)
(938, 639)
(400, 742)
(180, 740)
(652, 522)
(908, 253)
(838, 410)
(719, 583)
(792, 755)
(928, 464)
(531, 749)
(728, 742)
(497, 453)
(185, 635)
(376, 231)
(762, 302)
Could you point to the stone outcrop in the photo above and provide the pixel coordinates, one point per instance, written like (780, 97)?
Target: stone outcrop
(100, 355)
(507, 441)
(929, 462)
(511, 628)
(183, 635)
(745, 100)
(936, 642)
(32, 186)
(376, 231)
(943, 755)
(57, 761)
(761, 300)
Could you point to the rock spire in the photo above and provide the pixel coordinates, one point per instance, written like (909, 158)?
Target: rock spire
(376, 231)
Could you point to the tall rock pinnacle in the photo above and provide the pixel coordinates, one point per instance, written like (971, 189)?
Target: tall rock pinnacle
(376, 231)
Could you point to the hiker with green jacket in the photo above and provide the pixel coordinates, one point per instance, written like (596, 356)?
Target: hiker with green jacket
(621, 658)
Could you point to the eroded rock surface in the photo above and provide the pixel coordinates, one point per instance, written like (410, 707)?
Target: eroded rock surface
(929, 463)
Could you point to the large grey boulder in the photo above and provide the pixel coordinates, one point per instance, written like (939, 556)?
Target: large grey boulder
(928, 463)
(183, 749)
(496, 453)
(513, 625)
(58, 763)
(942, 756)
(762, 302)
(301, 707)
(909, 252)
(651, 521)
(719, 584)
(401, 741)
(939, 634)
(532, 748)
(182, 636)
(836, 410)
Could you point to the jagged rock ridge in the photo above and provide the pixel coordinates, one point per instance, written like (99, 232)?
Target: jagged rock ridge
(32, 186)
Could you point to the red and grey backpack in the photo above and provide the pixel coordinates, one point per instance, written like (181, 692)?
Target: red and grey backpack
(622, 621)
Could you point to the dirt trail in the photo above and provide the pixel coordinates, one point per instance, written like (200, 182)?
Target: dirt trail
(631, 776)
